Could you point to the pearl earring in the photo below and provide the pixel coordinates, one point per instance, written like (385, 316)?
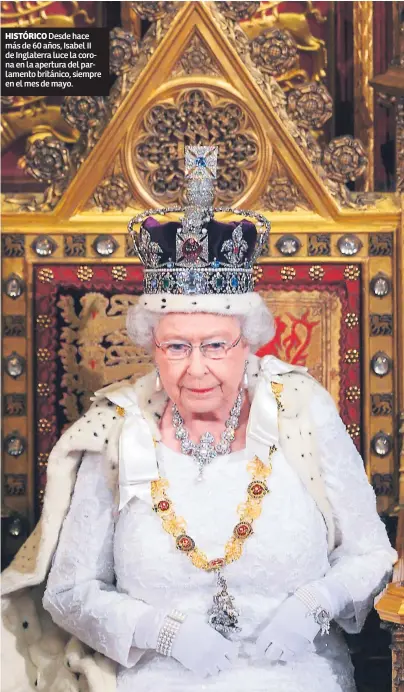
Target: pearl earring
(245, 376)
(158, 386)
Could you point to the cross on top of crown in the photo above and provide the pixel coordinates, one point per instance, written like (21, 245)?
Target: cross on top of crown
(200, 162)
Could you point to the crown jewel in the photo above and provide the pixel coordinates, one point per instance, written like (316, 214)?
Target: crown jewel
(199, 255)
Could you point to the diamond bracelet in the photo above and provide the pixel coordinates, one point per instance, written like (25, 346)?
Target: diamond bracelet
(169, 630)
(320, 615)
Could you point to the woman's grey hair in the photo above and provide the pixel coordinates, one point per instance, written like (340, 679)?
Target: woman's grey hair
(257, 327)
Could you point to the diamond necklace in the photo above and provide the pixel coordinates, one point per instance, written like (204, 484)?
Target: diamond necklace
(204, 451)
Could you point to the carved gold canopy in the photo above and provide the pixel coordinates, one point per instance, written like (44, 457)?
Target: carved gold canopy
(198, 77)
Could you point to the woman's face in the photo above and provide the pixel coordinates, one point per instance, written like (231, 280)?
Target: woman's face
(198, 384)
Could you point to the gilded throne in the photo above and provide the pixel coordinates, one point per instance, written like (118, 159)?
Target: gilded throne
(204, 73)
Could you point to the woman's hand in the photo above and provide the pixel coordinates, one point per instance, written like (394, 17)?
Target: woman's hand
(198, 647)
(290, 633)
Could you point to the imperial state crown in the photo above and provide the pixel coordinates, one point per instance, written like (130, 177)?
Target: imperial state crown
(199, 255)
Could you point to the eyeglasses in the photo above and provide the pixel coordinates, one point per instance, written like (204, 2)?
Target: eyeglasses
(178, 350)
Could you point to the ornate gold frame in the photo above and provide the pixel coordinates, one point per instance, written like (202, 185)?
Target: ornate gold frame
(377, 221)
(92, 224)
(363, 73)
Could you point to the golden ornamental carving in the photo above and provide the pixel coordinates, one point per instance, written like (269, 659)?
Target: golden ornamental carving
(124, 51)
(196, 59)
(195, 115)
(152, 11)
(238, 10)
(83, 112)
(89, 115)
(240, 175)
(363, 92)
(319, 244)
(10, 102)
(113, 193)
(32, 117)
(21, 14)
(310, 105)
(239, 40)
(310, 146)
(47, 160)
(129, 73)
(345, 159)
(13, 245)
(24, 117)
(270, 16)
(281, 193)
(269, 85)
(74, 245)
(274, 52)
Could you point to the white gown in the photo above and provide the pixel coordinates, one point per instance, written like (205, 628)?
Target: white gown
(109, 567)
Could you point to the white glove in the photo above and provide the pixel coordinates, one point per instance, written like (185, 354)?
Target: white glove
(289, 634)
(201, 649)
(197, 646)
(293, 628)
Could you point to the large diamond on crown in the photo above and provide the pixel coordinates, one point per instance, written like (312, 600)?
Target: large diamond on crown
(191, 248)
(192, 282)
(200, 162)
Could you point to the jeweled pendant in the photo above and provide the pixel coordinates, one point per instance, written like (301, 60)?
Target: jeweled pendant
(201, 466)
(223, 615)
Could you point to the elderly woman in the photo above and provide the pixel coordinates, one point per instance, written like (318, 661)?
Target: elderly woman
(241, 524)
